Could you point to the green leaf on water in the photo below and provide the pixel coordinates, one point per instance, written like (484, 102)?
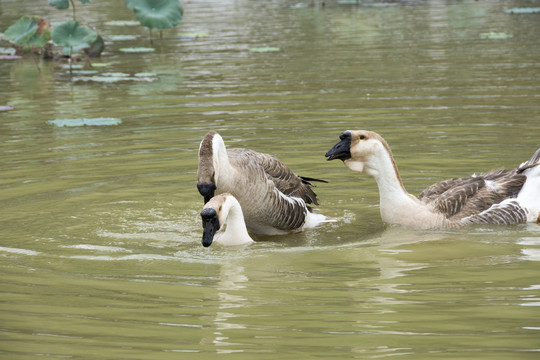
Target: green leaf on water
(522, 11)
(84, 122)
(495, 35)
(60, 4)
(157, 14)
(122, 23)
(73, 34)
(28, 32)
(7, 51)
(115, 77)
(98, 65)
(121, 37)
(84, 72)
(145, 74)
(264, 49)
(137, 50)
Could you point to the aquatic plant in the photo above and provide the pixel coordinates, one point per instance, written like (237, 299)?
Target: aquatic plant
(73, 37)
(30, 34)
(64, 4)
(157, 14)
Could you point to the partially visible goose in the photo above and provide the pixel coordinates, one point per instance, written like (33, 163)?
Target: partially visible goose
(223, 222)
(274, 200)
(497, 197)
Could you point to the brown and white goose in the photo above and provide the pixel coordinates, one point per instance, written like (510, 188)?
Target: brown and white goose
(223, 222)
(497, 197)
(274, 199)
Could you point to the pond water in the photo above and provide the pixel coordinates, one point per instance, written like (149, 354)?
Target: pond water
(100, 229)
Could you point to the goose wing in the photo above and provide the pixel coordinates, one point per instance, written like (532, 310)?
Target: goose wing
(280, 175)
(508, 212)
(461, 197)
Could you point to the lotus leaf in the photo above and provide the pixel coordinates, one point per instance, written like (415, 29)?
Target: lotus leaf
(84, 122)
(121, 37)
(145, 74)
(100, 64)
(264, 49)
(96, 48)
(495, 35)
(29, 32)
(137, 50)
(10, 57)
(7, 51)
(22, 30)
(157, 14)
(73, 34)
(523, 11)
(85, 72)
(60, 4)
(64, 4)
(117, 77)
(77, 66)
(122, 23)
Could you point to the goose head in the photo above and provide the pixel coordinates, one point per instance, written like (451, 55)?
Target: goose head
(357, 149)
(206, 172)
(223, 222)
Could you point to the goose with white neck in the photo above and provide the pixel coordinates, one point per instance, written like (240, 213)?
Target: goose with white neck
(497, 197)
(274, 200)
(223, 222)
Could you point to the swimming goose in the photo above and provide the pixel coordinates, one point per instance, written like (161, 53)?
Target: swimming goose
(274, 200)
(497, 197)
(223, 222)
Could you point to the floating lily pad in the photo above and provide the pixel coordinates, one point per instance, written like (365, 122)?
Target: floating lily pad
(116, 77)
(7, 51)
(85, 72)
(10, 57)
(495, 35)
(122, 23)
(121, 37)
(264, 49)
(84, 122)
(137, 50)
(76, 66)
(6, 107)
(98, 65)
(523, 11)
(157, 14)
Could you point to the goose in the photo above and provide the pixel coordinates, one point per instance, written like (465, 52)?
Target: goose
(274, 200)
(223, 222)
(496, 197)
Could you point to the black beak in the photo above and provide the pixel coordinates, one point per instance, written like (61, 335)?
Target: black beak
(210, 223)
(207, 190)
(342, 150)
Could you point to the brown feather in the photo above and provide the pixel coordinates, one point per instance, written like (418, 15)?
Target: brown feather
(283, 178)
(462, 197)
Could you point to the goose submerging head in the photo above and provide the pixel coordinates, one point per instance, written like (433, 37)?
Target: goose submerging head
(274, 200)
(496, 197)
(223, 222)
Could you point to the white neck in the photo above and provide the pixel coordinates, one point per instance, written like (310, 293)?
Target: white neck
(234, 229)
(222, 166)
(397, 206)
